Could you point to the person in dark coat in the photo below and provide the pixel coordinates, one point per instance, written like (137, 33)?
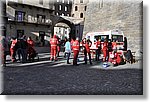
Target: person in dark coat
(24, 46)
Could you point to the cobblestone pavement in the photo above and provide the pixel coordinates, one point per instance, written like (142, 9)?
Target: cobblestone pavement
(57, 78)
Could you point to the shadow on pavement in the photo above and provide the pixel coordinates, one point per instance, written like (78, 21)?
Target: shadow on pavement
(48, 78)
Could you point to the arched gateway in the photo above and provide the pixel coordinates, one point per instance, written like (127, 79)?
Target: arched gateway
(66, 20)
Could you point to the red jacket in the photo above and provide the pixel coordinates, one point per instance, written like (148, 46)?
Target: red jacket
(114, 45)
(87, 46)
(53, 41)
(75, 45)
(30, 43)
(13, 44)
(98, 44)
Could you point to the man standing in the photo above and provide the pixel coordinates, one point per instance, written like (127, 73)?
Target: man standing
(24, 46)
(105, 50)
(30, 47)
(98, 49)
(53, 43)
(75, 48)
(87, 51)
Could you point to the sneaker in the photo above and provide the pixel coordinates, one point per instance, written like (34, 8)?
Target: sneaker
(51, 59)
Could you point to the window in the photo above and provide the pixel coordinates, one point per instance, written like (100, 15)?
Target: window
(20, 16)
(76, 8)
(59, 7)
(29, 18)
(81, 1)
(63, 1)
(102, 37)
(41, 2)
(65, 8)
(85, 8)
(118, 38)
(40, 18)
(68, 1)
(57, 0)
(81, 15)
(100, 3)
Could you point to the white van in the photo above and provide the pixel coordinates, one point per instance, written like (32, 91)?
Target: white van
(112, 35)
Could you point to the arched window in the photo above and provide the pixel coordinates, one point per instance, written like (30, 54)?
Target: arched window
(59, 7)
(76, 8)
(85, 8)
(81, 15)
(65, 8)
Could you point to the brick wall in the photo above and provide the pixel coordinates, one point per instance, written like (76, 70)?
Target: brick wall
(125, 15)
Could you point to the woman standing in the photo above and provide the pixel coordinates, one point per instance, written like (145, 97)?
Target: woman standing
(68, 50)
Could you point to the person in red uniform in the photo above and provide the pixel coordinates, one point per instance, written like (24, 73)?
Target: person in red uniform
(88, 44)
(114, 45)
(72, 40)
(53, 43)
(105, 50)
(13, 49)
(30, 42)
(118, 60)
(83, 45)
(75, 48)
(30, 47)
(98, 49)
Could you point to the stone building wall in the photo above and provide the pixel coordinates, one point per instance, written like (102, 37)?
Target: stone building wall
(81, 8)
(29, 25)
(125, 15)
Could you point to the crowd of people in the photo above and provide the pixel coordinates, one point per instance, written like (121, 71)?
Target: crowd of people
(75, 46)
(22, 47)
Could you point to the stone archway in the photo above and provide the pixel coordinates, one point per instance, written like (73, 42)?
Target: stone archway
(58, 19)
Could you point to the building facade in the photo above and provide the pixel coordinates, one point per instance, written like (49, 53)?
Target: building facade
(30, 18)
(63, 7)
(79, 9)
(3, 18)
(78, 13)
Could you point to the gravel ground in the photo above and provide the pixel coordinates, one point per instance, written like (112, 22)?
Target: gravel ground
(57, 78)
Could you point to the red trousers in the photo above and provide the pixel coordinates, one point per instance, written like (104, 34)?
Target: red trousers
(12, 54)
(53, 52)
(105, 54)
(76, 52)
(58, 48)
(118, 59)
